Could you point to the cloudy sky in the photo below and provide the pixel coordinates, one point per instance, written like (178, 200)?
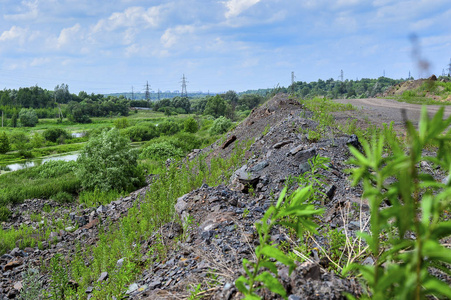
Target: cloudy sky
(110, 46)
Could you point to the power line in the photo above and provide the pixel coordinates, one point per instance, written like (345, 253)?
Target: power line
(147, 91)
(184, 92)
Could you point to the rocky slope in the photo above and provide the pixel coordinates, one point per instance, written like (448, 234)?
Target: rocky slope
(214, 230)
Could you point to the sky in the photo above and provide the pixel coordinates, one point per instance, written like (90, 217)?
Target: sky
(111, 46)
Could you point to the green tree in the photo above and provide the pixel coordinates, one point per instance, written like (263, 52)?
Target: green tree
(190, 125)
(216, 106)
(220, 126)
(109, 163)
(4, 143)
(28, 117)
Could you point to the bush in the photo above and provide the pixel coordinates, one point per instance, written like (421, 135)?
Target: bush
(108, 162)
(169, 127)
(121, 123)
(5, 213)
(220, 126)
(63, 197)
(161, 151)
(141, 132)
(28, 117)
(55, 134)
(4, 143)
(190, 125)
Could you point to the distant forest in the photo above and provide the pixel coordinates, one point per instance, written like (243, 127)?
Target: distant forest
(79, 108)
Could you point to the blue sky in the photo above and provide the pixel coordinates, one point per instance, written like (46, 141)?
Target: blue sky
(110, 46)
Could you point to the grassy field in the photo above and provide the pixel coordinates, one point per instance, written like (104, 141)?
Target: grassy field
(74, 144)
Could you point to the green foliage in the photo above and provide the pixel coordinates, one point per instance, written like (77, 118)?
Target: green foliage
(141, 132)
(220, 125)
(169, 127)
(4, 143)
(55, 168)
(190, 125)
(412, 225)
(31, 285)
(28, 117)
(161, 151)
(216, 107)
(98, 197)
(5, 213)
(121, 123)
(59, 276)
(108, 162)
(122, 238)
(43, 181)
(63, 197)
(291, 212)
(53, 134)
(37, 140)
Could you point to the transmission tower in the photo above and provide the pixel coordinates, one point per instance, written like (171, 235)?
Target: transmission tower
(133, 94)
(292, 82)
(147, 91)
(158, 94)
(341, 76)
(184, 92)
(409, 75)
(449, 68)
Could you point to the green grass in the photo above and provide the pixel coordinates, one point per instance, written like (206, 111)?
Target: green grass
(418, 95)
(140, 223)
(38, 182)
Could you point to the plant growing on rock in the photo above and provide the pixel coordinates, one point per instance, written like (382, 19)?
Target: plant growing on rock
(295, 214)
(416, 201)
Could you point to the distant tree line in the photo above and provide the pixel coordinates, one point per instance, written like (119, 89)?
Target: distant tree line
(362, 88)
(31, 101)
(229, 105)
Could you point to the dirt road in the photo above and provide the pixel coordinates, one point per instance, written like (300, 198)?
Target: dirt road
(379, 111)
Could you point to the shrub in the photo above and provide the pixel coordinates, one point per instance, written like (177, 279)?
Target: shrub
(414, 219)
(140, 133)
(108, 162)
(190, 125)
(63, 197)
(168, 127)
(161, 151)
(5, 213)
(4, 143)
(55, 134)
(121, 123)
(220, 126)
(28, 117)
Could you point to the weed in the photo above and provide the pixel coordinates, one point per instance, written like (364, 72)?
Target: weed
(264, 270)
(416, 201)
(31, 285)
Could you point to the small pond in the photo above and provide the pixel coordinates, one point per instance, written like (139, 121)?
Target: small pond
(39, 161)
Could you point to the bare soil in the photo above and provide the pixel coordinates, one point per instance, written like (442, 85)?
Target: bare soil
(378, 111)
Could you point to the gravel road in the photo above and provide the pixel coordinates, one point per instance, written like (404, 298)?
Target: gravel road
(379, 111)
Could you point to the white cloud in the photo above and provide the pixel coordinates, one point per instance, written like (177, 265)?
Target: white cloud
(27, 11)
(68, 35)
(15, 33)
(236, 7)
(173, 35)
(131, 17)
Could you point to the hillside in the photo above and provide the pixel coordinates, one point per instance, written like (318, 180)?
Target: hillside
(199, 251)
(422, 91)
